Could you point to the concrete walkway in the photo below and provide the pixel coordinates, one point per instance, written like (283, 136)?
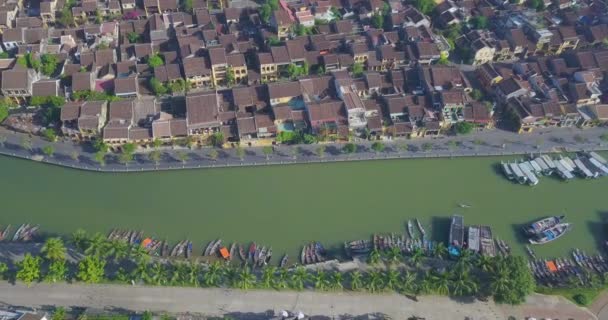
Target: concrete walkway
(223, 301)
(483, 143)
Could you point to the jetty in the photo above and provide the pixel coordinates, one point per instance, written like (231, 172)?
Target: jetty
(457, 231)
(486, 241)
(473, 239)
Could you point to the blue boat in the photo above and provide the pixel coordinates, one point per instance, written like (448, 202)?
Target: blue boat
(552, 233)
(543, 224)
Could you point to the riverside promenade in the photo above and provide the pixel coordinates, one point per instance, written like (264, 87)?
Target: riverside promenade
(484, 143)
(239, 303)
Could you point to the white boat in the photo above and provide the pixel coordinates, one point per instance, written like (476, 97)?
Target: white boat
(597, 157)
(527, 170)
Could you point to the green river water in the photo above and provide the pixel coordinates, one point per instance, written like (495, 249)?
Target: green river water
(286, 206)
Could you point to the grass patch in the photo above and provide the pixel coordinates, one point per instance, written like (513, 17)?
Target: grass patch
(589, 294)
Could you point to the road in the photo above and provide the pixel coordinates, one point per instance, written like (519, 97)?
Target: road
(215, 302)
(486, 142)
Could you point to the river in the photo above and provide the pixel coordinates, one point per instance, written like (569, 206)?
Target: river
(286, 206)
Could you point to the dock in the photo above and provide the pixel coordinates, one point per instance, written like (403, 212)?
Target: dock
(473, 238)
(486, 242)
(457, 231)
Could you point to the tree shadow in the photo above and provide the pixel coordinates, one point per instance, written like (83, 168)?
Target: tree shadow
(333, 150)
(598, 229)
(520, 237)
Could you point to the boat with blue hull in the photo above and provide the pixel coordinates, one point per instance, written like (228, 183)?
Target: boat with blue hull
(543, 224)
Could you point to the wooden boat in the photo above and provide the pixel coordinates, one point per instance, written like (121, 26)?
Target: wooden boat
(542, 225)
(284, 261)
(303, 255)
(261, 256)
(410, 229)
(420, 228)
(256, 255)
(551, 234)
(188, 249)
(268, 255)
(6, 232)
(215, 247)
(464, 205)
(232, 251)
(252, 248)
(176, 248)
(208, 248)
(18, 232)
(242, 253)
(164, 249)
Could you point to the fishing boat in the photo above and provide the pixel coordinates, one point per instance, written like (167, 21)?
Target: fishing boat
(189, 249)
(420, 228)
(5, 232)
(410, 229)
(215, 247)
(543, 224)
(18, 232)
(242, 253)
(464, 205)
(208, 248)
(551, 234)
(261, 256)
(164, 251)
(174, 251)
(232, 251)
(268, 255)
(284, 261)
(303, 255)
(507, 171)
(256, 255)
(251, 251)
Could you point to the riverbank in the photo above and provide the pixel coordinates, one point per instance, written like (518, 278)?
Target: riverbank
(222, 301)
(488, 143)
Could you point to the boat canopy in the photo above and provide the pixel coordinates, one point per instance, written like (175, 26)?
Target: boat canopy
(551, 266)
(224, 252)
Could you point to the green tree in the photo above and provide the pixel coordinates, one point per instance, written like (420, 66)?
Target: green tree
(357, 69)
(391, 280)
(375, 281)
(265, 12)
(157, 87)
(99, 145)
(49, 64)
(267, 151)
(319, 280)
(187, 6)
(97, 246)
(377, 20)
(425, 6)
(336, 280)
(158, 274)
(462, 283)
(355, 280)
(230, 77)
(240, 152)
(49, 134)
(118, 250)
(155, 60)
(440, 251)
(374, 256)
(443, 59)
(299, 278)
(268, 275)
(476, 94)
(349, 148)
(182, 156)
(28, 269)
(213, 275)
(125, 158)
(213, 154)
(479, 22)
(538, 5)
(59, 314)
(48, 150)
(246, 279)
(282, 279)
(378, 147)
(26, 143)
(177, 86)
(80, 239)
(463, 127)
(320, 151)
(74, 155)
(3, 270)
(408, 282)
(3, 112)
(147, 315)
(440, 282)
(394, 255)
(427, 146)
(128, 148)
(512, 280)
(581, 299)
(100, 157)
(416, 257)
(217, 139)
(57, 271)
(53, 249)
(133, 37)
(155, 156)
(91, 269)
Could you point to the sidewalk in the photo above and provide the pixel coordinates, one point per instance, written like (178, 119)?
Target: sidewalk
(486, 143)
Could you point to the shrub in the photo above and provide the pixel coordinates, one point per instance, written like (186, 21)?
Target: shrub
(581, 299)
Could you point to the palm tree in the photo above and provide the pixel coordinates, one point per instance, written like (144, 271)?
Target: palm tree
(213, 275)
(268, 275)
(176, 273)
(158, 274)
(245, 279)
(416, 257)
(394, 255)
(336, 280)
(192, 272)
(298, 278)
(53, 249)
(440, 282)
(356, 280)
(231, 276)
(320, 280)
(118, 250)
(499, 283)
(140, 273)
(463, 284)
(182, 156)
(97, 246)
(484, 263)
(427, 283)
(464, 259)
(374, 256)
(375, 281)
(138, 253)
(282, 279)
(408, 282)
(391, 279)
(440, 251)
(80, 239)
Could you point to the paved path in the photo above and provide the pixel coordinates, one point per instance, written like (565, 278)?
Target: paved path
(484, 143)
(222, 301)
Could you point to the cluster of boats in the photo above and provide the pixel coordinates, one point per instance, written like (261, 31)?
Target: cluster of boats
(25, 232)
(547, 229)
(587, 165)
(312, 253)
(559, 271)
